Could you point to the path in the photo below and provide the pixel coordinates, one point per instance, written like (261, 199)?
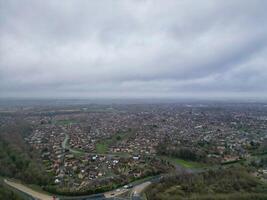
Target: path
(29, 191)
(137, 190)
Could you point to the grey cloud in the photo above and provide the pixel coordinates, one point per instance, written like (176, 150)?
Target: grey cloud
(133, 48)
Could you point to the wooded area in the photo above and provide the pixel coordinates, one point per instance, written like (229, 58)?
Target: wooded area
(230, 183)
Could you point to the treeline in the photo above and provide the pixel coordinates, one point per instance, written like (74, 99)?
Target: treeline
(16, 158)
(231, 183)
(186, 153)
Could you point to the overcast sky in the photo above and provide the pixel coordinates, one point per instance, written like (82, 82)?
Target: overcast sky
(141, 49)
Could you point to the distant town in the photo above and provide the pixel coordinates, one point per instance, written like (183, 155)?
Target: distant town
(111, 146)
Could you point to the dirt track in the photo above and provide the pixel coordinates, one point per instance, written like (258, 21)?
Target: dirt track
(28, 191)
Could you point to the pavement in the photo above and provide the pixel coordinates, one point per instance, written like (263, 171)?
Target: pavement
(138, 189)
(29, 191)
(114, 193)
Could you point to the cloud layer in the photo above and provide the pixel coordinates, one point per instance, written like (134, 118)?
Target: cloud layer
(88, 49)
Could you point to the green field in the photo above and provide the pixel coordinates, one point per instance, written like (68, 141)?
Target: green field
(65, 122)
(186, 164)
(190, 164)
(103, 145)
(101, 148)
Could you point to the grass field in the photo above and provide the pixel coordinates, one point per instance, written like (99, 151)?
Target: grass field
(103, 145)
(190, 164)
(101, 148)
(186, 164)
(65, 122)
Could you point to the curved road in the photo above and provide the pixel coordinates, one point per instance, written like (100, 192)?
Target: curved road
(42, 196)
(135, 193)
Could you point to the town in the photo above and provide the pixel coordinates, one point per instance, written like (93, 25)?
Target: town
(93, 148)
(109, 145)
